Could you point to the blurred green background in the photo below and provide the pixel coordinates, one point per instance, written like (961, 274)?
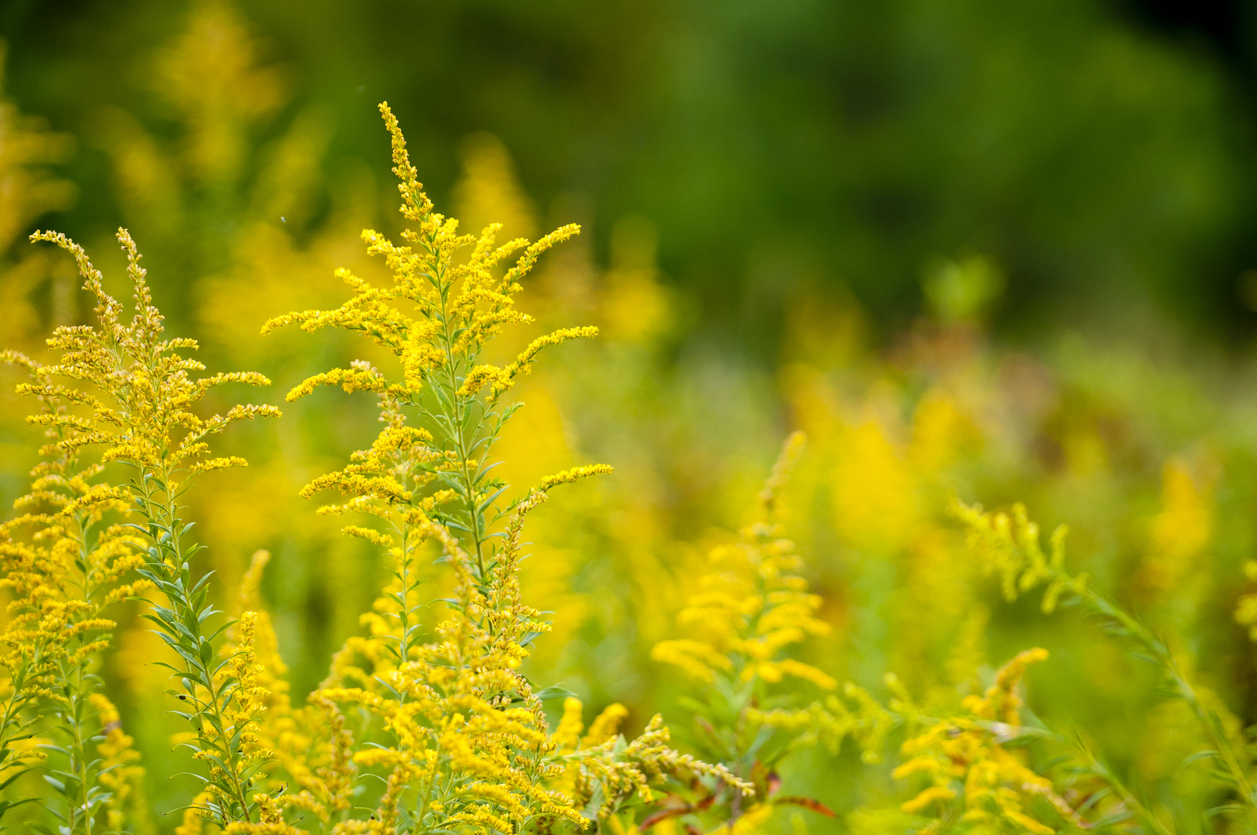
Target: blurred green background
(1000, 250)
(1101, 152)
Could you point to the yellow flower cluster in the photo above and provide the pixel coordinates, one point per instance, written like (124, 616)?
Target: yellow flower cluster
(1180, 534)
(751, 605)
(468, 731)
(470, 734)
(142, 413)
(455, 731)
(614, 770)
(972, 776)
(436, 319)
(62, 565)
(130, 391)
(831, 721)
(54, 609)
(1009, 547)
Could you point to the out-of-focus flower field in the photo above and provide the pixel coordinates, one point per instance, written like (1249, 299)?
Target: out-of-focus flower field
(1148, 455)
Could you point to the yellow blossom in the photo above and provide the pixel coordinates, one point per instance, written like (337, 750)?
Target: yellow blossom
(969, 769)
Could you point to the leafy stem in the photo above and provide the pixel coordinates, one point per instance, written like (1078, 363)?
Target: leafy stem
(182, 626)
(79, 788)
(1009, 546)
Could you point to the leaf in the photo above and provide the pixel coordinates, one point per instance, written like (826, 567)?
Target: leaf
(596, 797)
(1197, 757)
(1225, 809)
(489, 500)
(10, 779)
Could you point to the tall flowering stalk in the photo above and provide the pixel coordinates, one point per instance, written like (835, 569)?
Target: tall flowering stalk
(751, 605)
(132, 392)
(459, 735)
(65, 571)
(750, 609)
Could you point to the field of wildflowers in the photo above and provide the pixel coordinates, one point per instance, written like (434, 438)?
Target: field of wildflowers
(422, 607)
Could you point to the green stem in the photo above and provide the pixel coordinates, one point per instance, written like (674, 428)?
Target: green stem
(457, 430)
(179, 580)
(73, 675)
(79, 750)
(78, 753)
(404, 645)
(1222, 742)
(1124, 794)
(473, 518)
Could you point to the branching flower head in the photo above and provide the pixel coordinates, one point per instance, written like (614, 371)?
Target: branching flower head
(1008, 546)
(451, 294)
(972, 775)
(129, 390)
(459, 735)
(134, 392)
(63, 560)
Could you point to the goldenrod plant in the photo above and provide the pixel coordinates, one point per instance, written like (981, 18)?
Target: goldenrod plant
(750, 607)
(468, 739)
(64, 565)
(973, 777)
(458, 735)
(119, 385)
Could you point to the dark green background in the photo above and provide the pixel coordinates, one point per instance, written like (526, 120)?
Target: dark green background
(1102, 153)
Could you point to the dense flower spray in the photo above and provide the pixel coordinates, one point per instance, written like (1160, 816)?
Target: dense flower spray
(130, 391)
(457, 733)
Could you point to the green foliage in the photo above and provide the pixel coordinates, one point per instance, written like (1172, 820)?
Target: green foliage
(1103, 160)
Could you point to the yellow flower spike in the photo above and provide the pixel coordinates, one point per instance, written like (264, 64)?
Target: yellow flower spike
(62, 566)
(1001, 701)
(498, 379)
(807, 672)
(927, 798)
(524, 361)
(606, 726)
(572, 475)
(1009, 547)
(966, 750)
(749, 608)
(696, 658)
(567, 734)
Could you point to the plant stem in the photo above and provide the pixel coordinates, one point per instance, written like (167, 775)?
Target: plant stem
(180, 593)
(1223, 743)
